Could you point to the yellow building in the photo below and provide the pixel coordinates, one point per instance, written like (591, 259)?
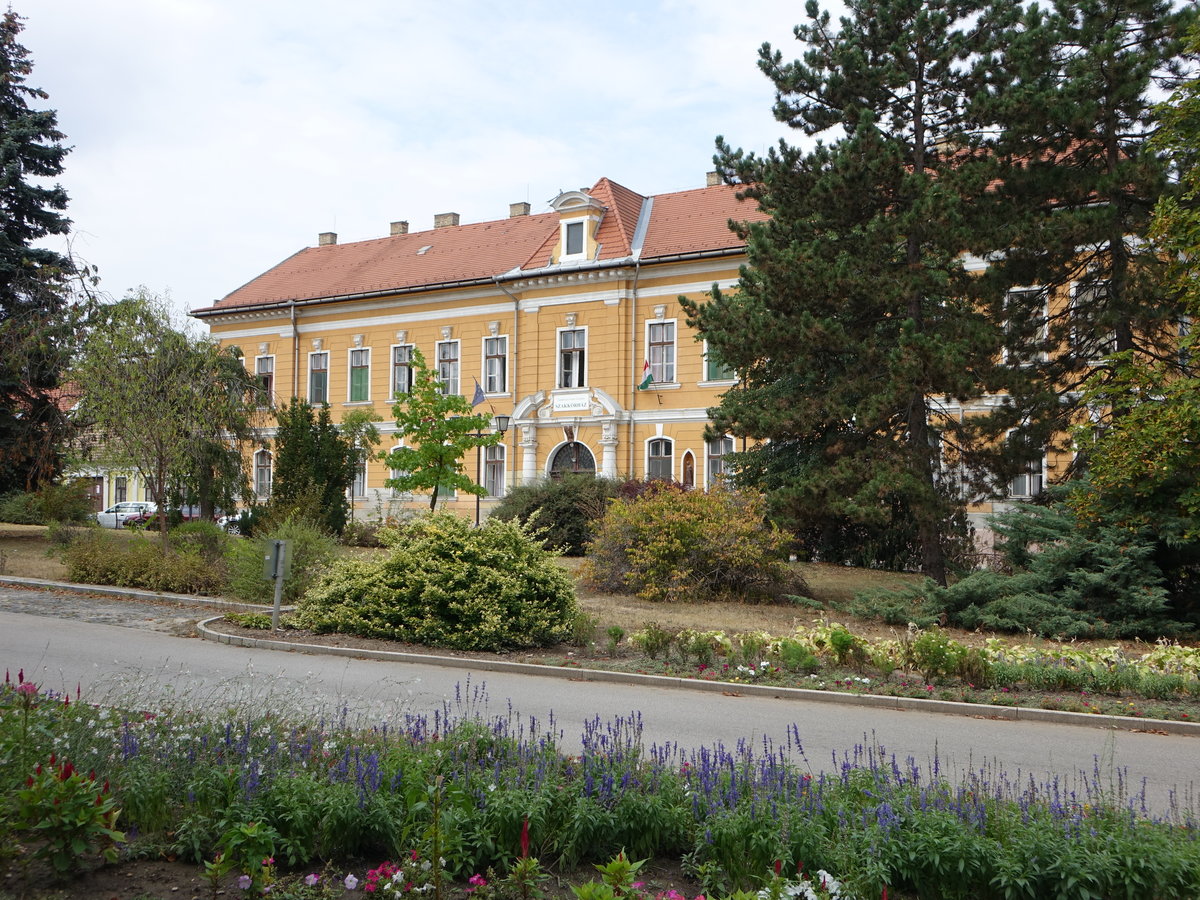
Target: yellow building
(554, 315)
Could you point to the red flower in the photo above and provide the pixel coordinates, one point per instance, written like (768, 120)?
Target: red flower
(525, 838)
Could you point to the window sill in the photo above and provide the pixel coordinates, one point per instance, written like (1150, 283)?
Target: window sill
(665, 386)
(722, 382)
(359, 403)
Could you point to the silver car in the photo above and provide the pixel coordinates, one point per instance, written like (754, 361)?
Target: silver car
(115, 515)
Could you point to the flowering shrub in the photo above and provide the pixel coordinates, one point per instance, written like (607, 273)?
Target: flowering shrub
(671, 545)
(71, 813)
(447, 584)
(396, 879)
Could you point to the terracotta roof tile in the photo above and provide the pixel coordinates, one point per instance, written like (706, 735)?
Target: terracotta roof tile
(696, 221)
(686, 222)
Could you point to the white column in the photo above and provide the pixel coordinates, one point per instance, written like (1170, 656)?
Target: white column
(608, 457)
(528, 445)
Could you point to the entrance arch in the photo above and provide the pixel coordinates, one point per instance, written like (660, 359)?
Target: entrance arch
(572, 458)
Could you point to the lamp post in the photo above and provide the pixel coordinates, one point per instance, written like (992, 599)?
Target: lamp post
(501, 423)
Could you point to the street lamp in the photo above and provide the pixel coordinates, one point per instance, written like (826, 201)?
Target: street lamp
(501, 423)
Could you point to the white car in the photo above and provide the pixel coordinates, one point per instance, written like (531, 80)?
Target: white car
(115, 515)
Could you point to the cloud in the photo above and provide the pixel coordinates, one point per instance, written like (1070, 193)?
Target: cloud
(213, 138)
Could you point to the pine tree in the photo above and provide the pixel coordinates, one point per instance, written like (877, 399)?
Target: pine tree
(1076, 119)
(34, 327)
(856, 326)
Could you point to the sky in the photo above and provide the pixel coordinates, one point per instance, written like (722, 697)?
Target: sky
(212, 139)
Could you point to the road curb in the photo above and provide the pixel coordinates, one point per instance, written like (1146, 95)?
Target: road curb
(571, 673)
(729, 689)
(106, 590)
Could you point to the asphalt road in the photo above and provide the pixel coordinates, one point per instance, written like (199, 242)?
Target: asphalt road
(134, 660)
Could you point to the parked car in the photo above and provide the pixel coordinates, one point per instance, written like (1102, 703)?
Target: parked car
(119, 513)
(149, 518)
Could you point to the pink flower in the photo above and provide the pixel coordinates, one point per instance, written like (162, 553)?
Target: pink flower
(244, 882)
(312, 879)
(28, 689)
(351, 882)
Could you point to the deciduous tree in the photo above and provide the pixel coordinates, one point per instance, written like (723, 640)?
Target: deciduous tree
(437, 430)
(152, 393)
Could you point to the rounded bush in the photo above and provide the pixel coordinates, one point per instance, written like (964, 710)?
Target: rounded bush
(667, 544)
(563, 511)
(446, 584)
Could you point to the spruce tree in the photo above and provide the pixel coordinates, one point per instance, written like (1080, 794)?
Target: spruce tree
(34, 330)
(857, 327)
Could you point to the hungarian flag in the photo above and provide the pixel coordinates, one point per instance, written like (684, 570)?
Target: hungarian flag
(647, 378)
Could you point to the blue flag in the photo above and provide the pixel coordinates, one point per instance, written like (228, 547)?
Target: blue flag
(478, 398)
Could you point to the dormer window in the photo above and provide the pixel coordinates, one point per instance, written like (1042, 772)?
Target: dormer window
(572, 239)
(579, 216)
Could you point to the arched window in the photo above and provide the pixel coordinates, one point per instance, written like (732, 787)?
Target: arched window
(660, 459)
(262, 473)
(716, 458)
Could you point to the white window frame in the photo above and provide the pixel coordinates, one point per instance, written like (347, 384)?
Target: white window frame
(266, 395)
(495, 460)
(350, 367)
(670, 459)
(358, 487)
(564, 232)
(1105, 346)
(311, 358)
(393, 392)
(398, 494)
(488, 387)
(558, 356)
(1022, 486)
(1043, 328)
(710, 477)
(259, 457)
(449, 387)
(732, 379)
(659, 369)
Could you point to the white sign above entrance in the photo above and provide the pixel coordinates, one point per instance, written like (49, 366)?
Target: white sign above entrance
(575, 401)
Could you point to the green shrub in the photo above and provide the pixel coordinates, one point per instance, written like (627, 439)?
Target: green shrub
(66, 502)
(96, 557)
(312, 552)
(673, 545)
(797, 656)
(446, 584)
(653, 640)
(583, 628)
(936, 655)
(1068, 582)
(563, 511)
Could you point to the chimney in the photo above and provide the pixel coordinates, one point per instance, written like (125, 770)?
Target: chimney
(445, 220)
(325, 238)
(713, 179)
(518, 209)
(399, 228)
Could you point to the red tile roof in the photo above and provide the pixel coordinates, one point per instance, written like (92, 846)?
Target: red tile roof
(687, 222)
